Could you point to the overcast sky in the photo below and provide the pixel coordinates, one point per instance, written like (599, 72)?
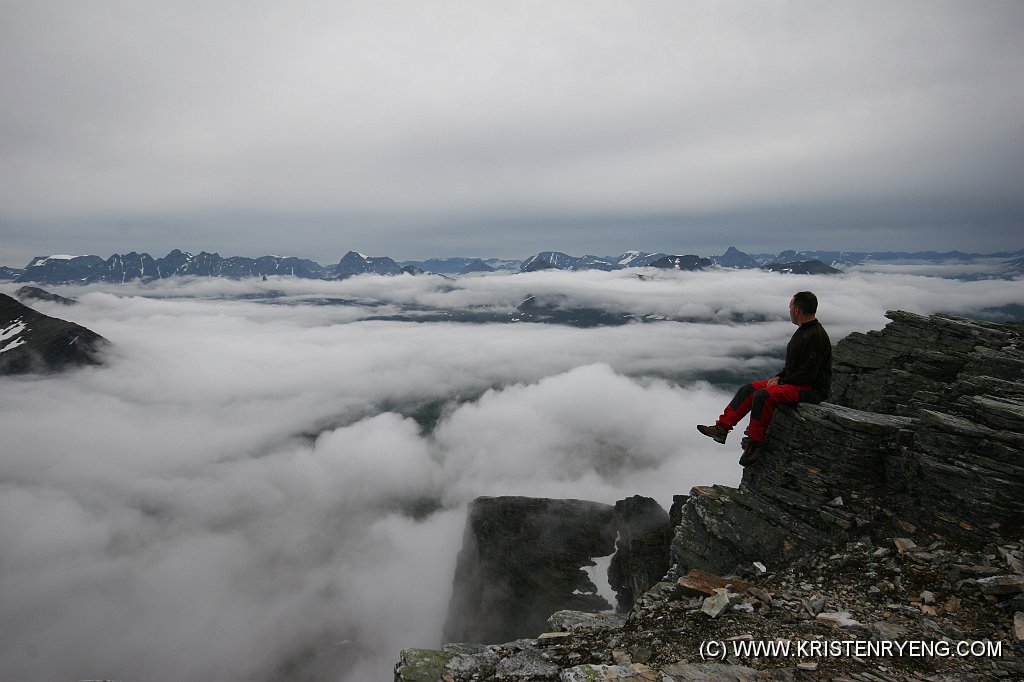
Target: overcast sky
(419, 129)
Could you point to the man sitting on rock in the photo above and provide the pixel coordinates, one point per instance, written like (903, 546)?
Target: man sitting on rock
(806, 377)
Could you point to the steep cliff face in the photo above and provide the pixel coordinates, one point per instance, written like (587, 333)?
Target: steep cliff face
(641, 557)
(932, 431)
(941, 363)
(521, 561)
(894, 513)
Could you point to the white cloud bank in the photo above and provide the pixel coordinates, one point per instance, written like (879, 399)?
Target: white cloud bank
(243, 481)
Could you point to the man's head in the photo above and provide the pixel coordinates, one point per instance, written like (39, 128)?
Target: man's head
(802, 307)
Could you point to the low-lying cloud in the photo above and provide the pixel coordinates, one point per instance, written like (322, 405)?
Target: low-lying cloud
(260, 483)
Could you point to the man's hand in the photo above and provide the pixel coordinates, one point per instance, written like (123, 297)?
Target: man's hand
(774, 381)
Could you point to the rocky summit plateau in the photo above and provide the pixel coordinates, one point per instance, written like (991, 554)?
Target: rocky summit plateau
(877, 539)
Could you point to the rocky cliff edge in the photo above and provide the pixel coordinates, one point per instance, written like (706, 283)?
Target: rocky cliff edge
(879, 537)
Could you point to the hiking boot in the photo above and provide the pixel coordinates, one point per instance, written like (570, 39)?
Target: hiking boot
(751, 451)
(714, 432)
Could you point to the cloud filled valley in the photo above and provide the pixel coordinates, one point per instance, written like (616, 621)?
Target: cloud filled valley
(263, 479)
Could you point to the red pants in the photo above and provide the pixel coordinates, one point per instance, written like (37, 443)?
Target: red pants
(759, 399)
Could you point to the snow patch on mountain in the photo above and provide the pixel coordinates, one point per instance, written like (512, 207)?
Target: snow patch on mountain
(10, 336)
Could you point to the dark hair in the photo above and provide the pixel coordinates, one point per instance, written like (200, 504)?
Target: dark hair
(806, 301)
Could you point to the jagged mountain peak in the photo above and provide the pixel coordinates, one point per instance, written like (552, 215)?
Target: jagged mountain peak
(136, 266)
(355, 263)
(558, 260)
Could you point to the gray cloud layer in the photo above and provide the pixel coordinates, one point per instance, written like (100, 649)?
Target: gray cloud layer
(242, 480)
(449, 128)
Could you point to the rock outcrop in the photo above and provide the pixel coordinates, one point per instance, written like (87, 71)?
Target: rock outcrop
(525, 558)
(894, 514)
(28, 293)
(641, 549)
(353, 263)
(942, 449)
(521, 561)
(802, 267)
(559, 309)
(33, 342)
(477, 265)
(682, 262)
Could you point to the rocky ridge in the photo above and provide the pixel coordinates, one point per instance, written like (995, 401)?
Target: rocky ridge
(33, 342)
(135, 266)
(893, 519)
(802, 267)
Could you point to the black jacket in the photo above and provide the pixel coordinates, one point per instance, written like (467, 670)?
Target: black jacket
(809, 361)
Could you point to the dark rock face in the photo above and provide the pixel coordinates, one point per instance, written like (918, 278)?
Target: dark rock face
(521, 561)
(549, 260)
(353, 263)
(813, 455)
(443, 266)
(9, 274)
(938, 363)
(37, 294)
(476, 265)
(556, 309)
(641, 551)
(523, 557)
(734, 258)
(60, 269)
(942, 448)
(962, 381)
(591, 262)
(133, 266)
(173, 263)
(896, 516)
(689, 262)
(124, 268)
(803, 267)
(556, 260)
(638, 259)
(33, 342)
(264, 266)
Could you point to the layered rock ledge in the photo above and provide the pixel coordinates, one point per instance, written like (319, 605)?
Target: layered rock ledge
(894, 514)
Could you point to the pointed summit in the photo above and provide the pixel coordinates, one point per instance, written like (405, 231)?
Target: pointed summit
(353, 263)
(734, 258)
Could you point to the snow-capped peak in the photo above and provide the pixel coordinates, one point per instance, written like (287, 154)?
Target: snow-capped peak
(43, 260)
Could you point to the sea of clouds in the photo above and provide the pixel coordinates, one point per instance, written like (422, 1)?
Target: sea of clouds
(249, 489)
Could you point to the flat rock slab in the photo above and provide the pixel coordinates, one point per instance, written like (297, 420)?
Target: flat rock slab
(1002, 584)
(570, 621)
(698, 583)
(838, 619)
(711, 672)
(599, 673)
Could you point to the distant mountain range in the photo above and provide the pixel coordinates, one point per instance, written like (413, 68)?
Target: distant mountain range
(143, 267)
